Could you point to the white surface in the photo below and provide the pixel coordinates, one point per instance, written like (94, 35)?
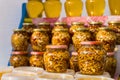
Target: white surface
(10, 14)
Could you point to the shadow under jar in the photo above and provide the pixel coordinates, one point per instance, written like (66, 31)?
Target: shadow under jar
(91, 58)
(19, 58)
(81, 34)
(56, 58)
(39, 40)
(20, 40)
(108, 38)
(36, 59)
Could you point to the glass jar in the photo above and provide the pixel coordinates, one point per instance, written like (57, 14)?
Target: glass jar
(81, 34)
(95, 7)
(20, 40)
(73, 8)
(19, 58)
(114, 7)
(61, 37)
(52, 8)
(111, 64)
(94, 27)
(115, 25)
(36, 59)
(56, 58)
(91, 58)
(74, 62)
(34, 8)
(39, 40)
(108, 38)
(75, 26)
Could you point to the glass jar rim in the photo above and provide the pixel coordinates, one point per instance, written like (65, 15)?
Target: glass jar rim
(90, 42)
(43, 23)
(35, 53)
(93, 22)
(19, 52)
(41, 29)
(57, 46)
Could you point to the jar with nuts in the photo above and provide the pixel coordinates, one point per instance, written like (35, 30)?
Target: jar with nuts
(111, 64)
(39, 40)
(20, 40)
(75, 26)
(91, 58)
(36, 59)
(74, 62)
(56, 58)
(115, 25)
(61, 37)
(108, 38)
(81, 34)
(19, 58)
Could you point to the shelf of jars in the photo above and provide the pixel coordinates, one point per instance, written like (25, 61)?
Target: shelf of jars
(81, 45)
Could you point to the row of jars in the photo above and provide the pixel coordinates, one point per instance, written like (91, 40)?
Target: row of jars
(73, 8)
(60, 35)
(91, 58)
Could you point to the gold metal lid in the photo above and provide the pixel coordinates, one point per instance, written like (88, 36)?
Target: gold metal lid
(82, 29)
(95, 23)
(114, 22)
(61, 29)
(77, 23)
(28, 24)
(60, 23)
(19, 30)
(34, 30)
(44, 23)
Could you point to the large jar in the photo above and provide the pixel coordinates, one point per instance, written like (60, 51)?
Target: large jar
(19, 58)
(20, 40)
(73, 8)
(75, 26)
(114, 7)
(34, 8)
(111, 64)
(74, 62)
(36, 59)
(39, 40)
(56, 58)
(115, 25)
(108, 38)
(52, 8)
(95, 7)
(61, 37)
(91, 58)
(81, 34)
(94, 27)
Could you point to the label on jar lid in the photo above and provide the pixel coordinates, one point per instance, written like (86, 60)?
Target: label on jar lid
(19, 52)
(110, 53)
(90, 42)
(57, 46)
(35, 53)
(74, 53)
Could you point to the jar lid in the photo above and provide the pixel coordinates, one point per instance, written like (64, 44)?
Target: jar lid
(28, 24)
(90, 42)
(95, 23)
(19, 30)
(114, 22)
(40, 30)
(81, 29)
(44, 23)
(28, 20)
(60, 23)
(110, 53)
(105, 28)
(74, 53)
(57, 46)
(35, 53)
(77, 23)
(61, 29)
(19, 52)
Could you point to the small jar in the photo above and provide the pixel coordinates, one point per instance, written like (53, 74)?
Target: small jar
(91, 58)
(74, 62)
(19, 58)
(115, 25)
(111, 64)
(81, 34)
(20, 40)
(39, 40)
(52, 8)
(108, 37)
(56, 58)
(36, 59)
(75, 26)
(61, 37)
(94, 27)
